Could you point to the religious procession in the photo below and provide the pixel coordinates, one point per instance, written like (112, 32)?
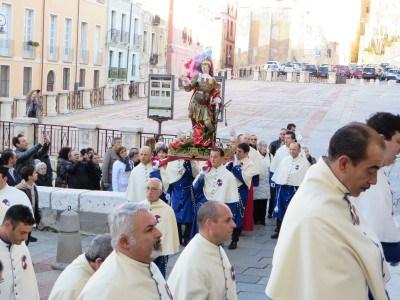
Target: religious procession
(335, 227)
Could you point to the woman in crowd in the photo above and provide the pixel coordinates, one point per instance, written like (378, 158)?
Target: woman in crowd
(121, 170)
(62, 163)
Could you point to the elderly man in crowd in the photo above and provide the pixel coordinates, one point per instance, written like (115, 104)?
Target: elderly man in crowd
(72, 280)
(129, 271)
(325, 250)
(136, 190)
(19, 275)
(165, 217)
(203, 270)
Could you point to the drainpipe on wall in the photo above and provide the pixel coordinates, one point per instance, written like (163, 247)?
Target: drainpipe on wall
(129, 43)
(42, 56)
(76, 83)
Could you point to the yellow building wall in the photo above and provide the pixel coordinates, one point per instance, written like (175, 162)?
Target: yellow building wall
(94, 12)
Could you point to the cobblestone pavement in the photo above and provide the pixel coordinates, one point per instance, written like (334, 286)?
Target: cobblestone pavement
(260, 108)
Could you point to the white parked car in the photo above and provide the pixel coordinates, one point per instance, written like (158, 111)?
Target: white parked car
(272, 65)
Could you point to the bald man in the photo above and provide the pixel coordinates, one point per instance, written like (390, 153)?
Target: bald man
(203, 270)
(136, 190)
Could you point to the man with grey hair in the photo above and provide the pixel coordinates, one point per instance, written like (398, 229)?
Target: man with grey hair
(72, 280)
(129, 271)
(203, 270)
(109, 158)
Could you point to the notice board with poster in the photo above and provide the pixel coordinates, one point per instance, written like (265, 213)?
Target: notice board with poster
(221, 81)
(160, 100)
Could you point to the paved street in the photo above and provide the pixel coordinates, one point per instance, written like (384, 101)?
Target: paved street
(260, 108)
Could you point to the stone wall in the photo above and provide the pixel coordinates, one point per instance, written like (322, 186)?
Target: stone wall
(92, 206)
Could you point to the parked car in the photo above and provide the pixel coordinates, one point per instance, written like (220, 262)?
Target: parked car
(369, 73)
(272, 64)
(312, 69)
(357, 73)
(288, 67)
(391, 74)
(323, 71)
(342, 70)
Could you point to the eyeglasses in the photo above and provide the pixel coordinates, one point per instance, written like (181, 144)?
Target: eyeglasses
(149, 188)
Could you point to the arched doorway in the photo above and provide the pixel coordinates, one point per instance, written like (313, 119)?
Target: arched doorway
(50, 81)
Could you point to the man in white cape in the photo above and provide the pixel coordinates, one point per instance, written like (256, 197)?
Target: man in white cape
(216, 183)
(325, 250)
(181, 174)
(377, 204)
(244, 170)
(19, 276)
(10, 195)
(71, 281)
(288, 177)
(203, 270)
(128, 272)
(136, 190)
(165, 217)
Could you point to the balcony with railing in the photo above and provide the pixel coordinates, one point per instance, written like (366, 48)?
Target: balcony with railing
(98, 58)
(124, 37)
(6, 47)
(29, 49)
(117, 73)
(52, 53)
(154, 59)
(68, 55)
(114, 35)
(137, 41)
(84, 56)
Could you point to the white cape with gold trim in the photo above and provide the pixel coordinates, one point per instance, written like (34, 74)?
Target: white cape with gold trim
(320, 254)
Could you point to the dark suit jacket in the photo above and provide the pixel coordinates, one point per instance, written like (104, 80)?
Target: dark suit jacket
(36, 211)
(13, 181)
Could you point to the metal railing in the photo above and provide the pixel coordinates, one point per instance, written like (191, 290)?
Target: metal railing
(6, 134)
(252, 74)
(118, 92)
(133, 89)
(60, 136)
(6, 47)
(75, 100)
(84, 56)
(98, 58)
(29, 50)
(97, 97)
(105, 138)
(165, 138)
(115, 35)
(124, 37)
(52, 53)
(68, 54)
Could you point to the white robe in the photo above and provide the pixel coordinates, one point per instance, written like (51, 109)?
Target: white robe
(175, 170)
(166, 219)
(71, 281)
(19, 275)
(122, 278)
(220, 185)
(376, 206)
(256, 158)
(136, 190)
(3, 210)
(202, 271)
(291, 171)
(248, 171)
(262, 191)
(280, 154)
(321, 253)
(10, 196)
